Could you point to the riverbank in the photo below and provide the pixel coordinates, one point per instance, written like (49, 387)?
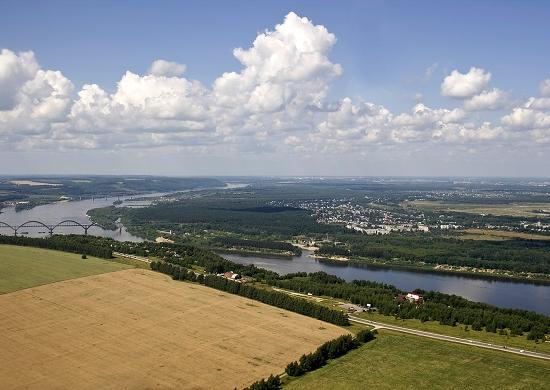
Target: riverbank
(252, 253)
(508, 293)
(494, 274)
(488, 274)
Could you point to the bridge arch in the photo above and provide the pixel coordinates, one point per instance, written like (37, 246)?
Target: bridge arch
(50, 228)
(4, 224)
(60, 224)
(25, 224)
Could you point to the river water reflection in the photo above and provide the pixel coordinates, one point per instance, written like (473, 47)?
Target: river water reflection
(495, 292)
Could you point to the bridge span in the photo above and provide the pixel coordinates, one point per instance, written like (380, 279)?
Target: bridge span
(50, 228)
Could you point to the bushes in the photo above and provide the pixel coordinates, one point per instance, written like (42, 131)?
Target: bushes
(364, 336)
(329, 350)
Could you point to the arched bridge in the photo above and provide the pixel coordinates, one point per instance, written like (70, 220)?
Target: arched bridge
(49, 228)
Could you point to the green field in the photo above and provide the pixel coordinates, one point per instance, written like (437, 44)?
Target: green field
(397, 361)
(24, 267)
(510, 209)
(459, 331)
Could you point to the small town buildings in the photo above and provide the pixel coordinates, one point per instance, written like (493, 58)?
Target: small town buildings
(162, 240)
(411, 297)
(230, 275)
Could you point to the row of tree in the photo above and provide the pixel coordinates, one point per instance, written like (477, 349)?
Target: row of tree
(447, 309)
(234, 242)
(270, 297)
(66, 243)
(271, 383)
(329, 350)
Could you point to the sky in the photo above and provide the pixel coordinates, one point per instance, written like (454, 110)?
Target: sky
(340, 88)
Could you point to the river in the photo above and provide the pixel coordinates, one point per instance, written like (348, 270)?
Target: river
(496, 292)
(53, 213)
(516, 295)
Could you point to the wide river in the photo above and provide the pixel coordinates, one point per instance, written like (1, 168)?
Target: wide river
(496, 292)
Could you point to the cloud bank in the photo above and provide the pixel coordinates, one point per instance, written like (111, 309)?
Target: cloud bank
(277, 101)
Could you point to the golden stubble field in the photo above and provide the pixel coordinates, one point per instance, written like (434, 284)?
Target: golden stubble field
(510, 209)
(136, 329)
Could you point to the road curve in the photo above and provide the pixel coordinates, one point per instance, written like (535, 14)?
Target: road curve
(458, 340)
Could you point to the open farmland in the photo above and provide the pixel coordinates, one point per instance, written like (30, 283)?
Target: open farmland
(23, 267)
(398, 361)
(511, 209)
(498, 235)
(139, 329)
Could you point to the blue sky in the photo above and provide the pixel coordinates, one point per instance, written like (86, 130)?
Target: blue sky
(384, 48)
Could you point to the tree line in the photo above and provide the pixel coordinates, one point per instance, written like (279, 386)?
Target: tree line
(66, 243)
(309, 362)
(329, 350)
(231, 242)
(518, 255)
(270, 297)
(444, 308)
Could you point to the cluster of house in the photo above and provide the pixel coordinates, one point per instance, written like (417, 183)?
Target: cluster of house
(387, 229)
(231, 276)
(411, 297)
(351, 308)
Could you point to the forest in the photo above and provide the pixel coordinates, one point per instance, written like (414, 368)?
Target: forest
(241, 243)
(241, 216)
(519, 255)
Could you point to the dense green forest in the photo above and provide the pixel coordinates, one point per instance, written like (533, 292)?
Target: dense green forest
(241, 216)
(520, 255)
(240, 243)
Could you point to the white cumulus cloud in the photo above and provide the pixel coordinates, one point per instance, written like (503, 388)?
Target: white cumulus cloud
(544, 87)
(464, 85)
(277, 100)
(487, 100)
(166, 68)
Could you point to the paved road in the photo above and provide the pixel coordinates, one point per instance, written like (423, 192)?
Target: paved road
(139, 258)
(458, 340)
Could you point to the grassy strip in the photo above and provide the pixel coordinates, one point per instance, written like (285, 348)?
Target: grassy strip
(397, 361)
(460, 331)
(24, 267)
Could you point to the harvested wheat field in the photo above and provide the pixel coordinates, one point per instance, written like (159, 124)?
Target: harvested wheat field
(136, 329)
